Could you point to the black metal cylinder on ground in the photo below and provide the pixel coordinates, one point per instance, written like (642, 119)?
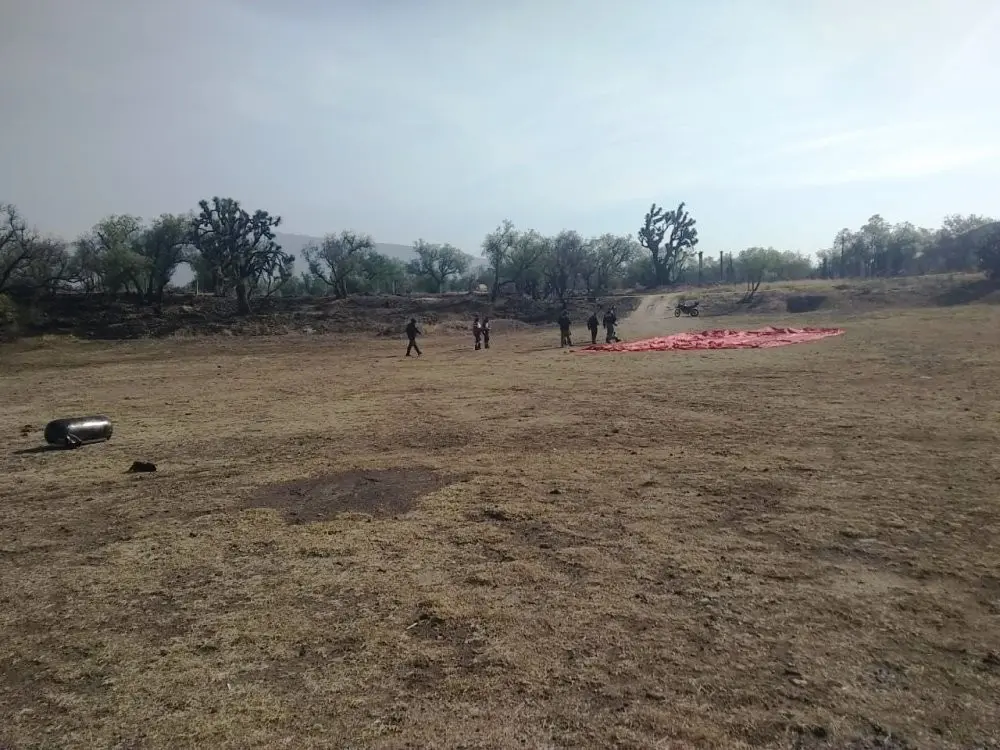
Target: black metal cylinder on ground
(75, 431)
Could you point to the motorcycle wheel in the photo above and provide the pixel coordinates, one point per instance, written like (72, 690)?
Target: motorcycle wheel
(677, 312)
(694, 313)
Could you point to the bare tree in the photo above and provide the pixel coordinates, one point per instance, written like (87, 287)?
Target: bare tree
(670, 237)
(524, 266)
(588, 265)
(380, 273)
(338, 258)
(613, 254)
(756, 263)
(437, 263)
(496, 249)
(28, 261)
(16, 244)
(562, 263)
(240, 247)
(51, 268)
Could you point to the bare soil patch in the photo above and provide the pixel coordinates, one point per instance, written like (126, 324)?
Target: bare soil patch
(766, 549)
(377, 492)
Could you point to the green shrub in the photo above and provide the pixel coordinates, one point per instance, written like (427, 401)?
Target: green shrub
(989, 254)
(8, 312)
(8, 317)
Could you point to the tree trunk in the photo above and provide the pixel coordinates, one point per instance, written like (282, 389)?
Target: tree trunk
(242, 298)
(753, 284)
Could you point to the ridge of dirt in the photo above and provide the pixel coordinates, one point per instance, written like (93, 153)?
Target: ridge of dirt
(825, 297)
(193, 315)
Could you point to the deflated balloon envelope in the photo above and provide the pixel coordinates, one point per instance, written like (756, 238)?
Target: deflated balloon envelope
(74, 431)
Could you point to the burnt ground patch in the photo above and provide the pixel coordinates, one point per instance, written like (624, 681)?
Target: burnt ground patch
(126, 317)
(802, 303)
(379, 493)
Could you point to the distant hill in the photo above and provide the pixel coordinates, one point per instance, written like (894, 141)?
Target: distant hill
(979, 233)
(295, 243)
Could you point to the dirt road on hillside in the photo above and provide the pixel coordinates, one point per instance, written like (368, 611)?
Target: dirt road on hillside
(654, 315)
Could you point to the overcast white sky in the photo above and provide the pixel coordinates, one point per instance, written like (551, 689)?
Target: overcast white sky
(778, 121)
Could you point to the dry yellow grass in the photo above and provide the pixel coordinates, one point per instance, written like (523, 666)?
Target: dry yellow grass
(786, 548)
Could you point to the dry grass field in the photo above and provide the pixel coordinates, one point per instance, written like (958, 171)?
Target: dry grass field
(522, 547)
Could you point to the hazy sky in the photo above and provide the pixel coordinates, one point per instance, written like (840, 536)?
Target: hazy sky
(777, 121)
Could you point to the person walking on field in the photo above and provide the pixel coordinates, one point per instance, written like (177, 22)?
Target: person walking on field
(592, 327)
(486, 333)
(564, 334)
(477, 333)
(411, 333)
(610, 320)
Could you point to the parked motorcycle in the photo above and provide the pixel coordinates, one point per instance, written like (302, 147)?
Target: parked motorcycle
(686, 308)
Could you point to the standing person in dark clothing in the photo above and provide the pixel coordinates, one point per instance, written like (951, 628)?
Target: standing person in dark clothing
(564, 334)
(610, 320)
(592, 327)
(477, 333)
(614, 324)
(411, 333)
(486, 333)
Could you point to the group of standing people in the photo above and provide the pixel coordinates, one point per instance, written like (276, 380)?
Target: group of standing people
(481, 330)
(609, 321)
(481, 333)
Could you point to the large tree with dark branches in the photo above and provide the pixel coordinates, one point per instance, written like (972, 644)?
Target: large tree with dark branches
(29, 262)
(670, 237)
(239, 248)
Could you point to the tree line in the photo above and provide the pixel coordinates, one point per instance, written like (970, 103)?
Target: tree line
(878, 248)
(234, 252)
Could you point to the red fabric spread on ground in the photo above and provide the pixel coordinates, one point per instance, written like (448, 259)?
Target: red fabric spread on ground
(763, 338)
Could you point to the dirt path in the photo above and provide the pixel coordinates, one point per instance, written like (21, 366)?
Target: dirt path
(654, 315)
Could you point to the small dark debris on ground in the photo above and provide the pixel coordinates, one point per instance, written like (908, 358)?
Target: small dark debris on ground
(496, 514)
(992, 660)
(876, 738)
(139, 467)
(381, 493)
